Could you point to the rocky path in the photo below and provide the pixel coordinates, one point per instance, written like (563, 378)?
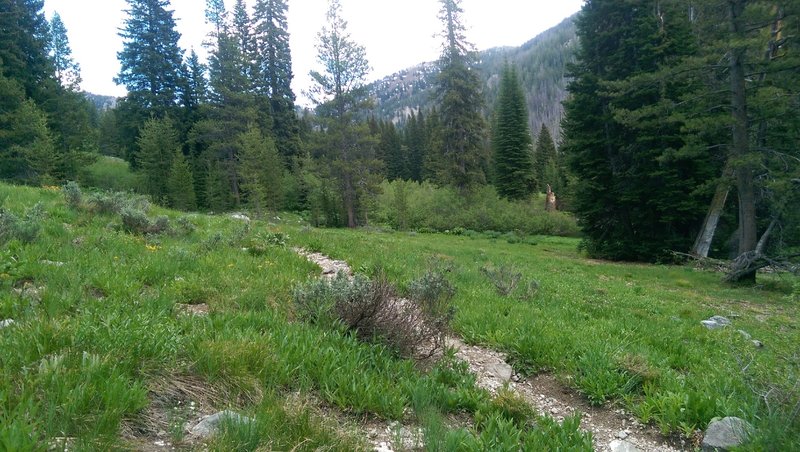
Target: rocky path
(613, 430)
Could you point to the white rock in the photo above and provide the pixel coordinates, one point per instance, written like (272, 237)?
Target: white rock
(715, 322)
(209, 425)
(241, 216)
(622, 446)
(6, 323)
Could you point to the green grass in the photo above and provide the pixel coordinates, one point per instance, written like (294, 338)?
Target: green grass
(618, 333)
(99, 345)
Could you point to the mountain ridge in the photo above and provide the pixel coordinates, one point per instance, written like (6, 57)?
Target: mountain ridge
(541, 62)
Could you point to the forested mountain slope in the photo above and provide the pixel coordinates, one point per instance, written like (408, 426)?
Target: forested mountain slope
(541, 64)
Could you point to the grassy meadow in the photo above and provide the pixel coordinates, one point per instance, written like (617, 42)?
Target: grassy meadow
(105, 353)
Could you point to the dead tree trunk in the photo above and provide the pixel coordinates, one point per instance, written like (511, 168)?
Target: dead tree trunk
(550, 202)
(705, 237)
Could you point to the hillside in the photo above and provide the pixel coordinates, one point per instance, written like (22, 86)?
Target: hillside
(541, 63)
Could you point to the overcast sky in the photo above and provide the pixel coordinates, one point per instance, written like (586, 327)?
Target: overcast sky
(396, 33)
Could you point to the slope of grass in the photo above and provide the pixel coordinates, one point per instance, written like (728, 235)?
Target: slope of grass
(102, 354)
(619, 333)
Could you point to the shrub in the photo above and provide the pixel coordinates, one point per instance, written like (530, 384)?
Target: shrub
(25, 229)
(135, 221)
(434, 293)
(73, 195)
(370, 309)
(258, 245)
(425, 207)
(507, 280)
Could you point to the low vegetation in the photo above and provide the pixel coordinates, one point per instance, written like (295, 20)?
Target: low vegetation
(120, 334)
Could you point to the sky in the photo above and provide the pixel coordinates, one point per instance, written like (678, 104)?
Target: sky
(397, 34)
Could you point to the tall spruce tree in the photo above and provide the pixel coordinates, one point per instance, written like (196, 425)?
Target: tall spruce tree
(67, 71)
(546, 165)
(463, 154)
(274, 75)
(158, 144)
(151, 59)
(511, 140)
(24, 35)
(262, 171)
(636, 196)
(151, 65)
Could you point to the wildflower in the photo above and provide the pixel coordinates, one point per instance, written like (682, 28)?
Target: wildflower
(151, 247)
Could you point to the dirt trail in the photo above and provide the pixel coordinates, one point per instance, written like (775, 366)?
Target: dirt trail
(612, 429)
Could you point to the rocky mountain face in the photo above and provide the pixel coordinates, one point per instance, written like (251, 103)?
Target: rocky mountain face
(541, 64)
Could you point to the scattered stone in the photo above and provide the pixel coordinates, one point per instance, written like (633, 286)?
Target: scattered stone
(725, 433)
(241, 217)
(622, 446)
(61, 443)
(757, 343)
(52, 263)
(501, 370)
(6, 323)
(209, 425)
(745, 334)
(715, 322)
(622, 434)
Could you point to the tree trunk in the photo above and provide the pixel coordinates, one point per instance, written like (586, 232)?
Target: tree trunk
(702, 244)
(748, 234)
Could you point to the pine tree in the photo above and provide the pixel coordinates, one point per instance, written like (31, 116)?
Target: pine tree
(181, 183)
(68, 72)
(151, 59)
(511, 140)
(414, 138)
(463, 152)
(339, 94)
(635, 196)
(157, 143)
(274, 63)
(546, 167)
(232, 109)
(261, 170)
(24, 35)
(216, 16)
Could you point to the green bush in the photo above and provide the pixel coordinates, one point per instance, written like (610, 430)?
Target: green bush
(427, 208)
(25, 229)
(135, 221)
(111, 173)
(72, 194)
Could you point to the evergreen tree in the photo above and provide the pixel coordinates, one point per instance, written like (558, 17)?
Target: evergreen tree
(274, 75)
(635, 196)
(262, 171)
(339, 94)
(24, 37)
(157, 143)
(67, 71)
(180, 184)
(216, 16)
(27, 149)
(151, 60)
(463, 153)
(511, 140)
(393, 153)
(415, 137)
(232, 109)
(546, 166)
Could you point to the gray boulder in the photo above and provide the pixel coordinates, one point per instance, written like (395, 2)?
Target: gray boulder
(725, 433)
(209, 425)
(622, 446)
(715, 322)
(6, 323)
